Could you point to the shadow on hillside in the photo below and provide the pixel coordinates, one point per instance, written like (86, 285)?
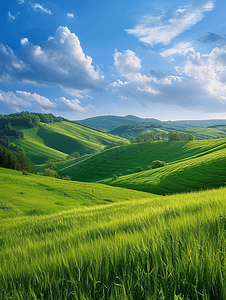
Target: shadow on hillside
(61, 142)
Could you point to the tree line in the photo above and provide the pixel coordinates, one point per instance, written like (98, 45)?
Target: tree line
(15, 160)
(149, 136)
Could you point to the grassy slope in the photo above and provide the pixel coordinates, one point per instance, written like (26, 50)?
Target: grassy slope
(118, 160)
(35, 195)
(148, 249)
(56, 140)
(202, 172)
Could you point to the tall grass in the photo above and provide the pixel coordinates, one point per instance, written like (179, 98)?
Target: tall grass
(163, 248)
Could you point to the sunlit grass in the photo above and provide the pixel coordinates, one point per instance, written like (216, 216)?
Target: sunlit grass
(148, 249)
(57, 140)
(36, 195)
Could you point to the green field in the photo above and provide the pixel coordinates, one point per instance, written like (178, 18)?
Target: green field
(169, 247)
(37, 195)
(58, 139)
(159, 234)
(191, 166)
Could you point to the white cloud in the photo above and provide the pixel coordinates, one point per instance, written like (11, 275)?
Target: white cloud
(70, 15)
(60, 60)
(37, 6)
(209, 70)
(24, 99)
(127, 62)
(201, 84)
(21, 1)
(24, 41)
(66, 104)
(178, 49)
(11, 17)
(161, 29)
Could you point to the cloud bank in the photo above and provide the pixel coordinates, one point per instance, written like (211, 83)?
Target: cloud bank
(200, 84)
(21, 99)
(59, 60)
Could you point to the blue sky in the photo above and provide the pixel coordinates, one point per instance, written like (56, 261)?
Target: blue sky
(78, 59)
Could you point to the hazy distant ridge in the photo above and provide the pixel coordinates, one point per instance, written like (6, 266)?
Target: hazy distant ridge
(111, 122)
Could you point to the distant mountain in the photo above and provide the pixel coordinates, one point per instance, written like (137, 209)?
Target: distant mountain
(196, 123)
(111, 122)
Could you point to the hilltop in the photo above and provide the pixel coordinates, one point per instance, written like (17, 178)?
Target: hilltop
(48, 137)
(111, 122)
(191, 166)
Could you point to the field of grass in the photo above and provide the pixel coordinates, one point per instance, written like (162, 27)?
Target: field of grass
(168, 248)
(122, 159)
(202, 172)
(206, 133)
(26, 195)
(57, 140)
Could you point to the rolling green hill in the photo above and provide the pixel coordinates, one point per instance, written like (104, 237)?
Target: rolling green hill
(198, 172)
(183, 155)
(160, 248)
(133, 130)
(58, 139)
(111, 122)
(37, 195)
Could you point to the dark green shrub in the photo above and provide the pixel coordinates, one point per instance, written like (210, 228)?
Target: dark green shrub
(139, 169)
(158, 164)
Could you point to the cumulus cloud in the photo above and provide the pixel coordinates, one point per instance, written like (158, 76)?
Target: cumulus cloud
(209, 70)
(70, 15)
(162, 29)
(67, 105)
(178, 49)
(201, 84)
(21, 1)
(24, 99)
(60, 60)
(127, 62)
(37, 6)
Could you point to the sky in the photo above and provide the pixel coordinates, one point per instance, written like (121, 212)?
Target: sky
(79, 59)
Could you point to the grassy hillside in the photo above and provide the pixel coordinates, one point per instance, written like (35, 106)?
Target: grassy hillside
(36, 195)
(133, 130)
(122, 159)
(161, 248)
(57, 140)
(110, 122)
(199, 172)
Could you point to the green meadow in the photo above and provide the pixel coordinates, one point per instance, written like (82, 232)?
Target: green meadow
(157, 247)
(27, 195)
(58, 139)
(191, 166)
(114, 233)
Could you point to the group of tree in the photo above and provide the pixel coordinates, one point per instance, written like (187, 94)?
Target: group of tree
(27, 119)
(50, 171)
(8, 130)
(73, 155)
(15, 160)
(180, 136)
(149, 136)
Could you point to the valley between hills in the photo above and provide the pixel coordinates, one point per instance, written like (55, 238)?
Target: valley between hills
(137, 211)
